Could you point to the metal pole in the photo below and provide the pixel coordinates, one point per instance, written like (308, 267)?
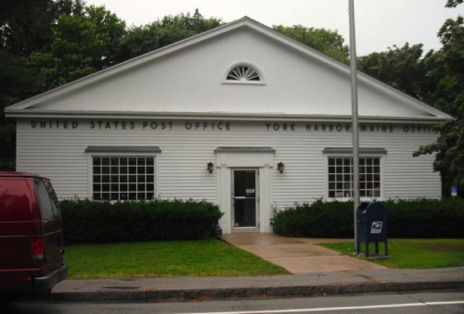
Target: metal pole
(354, 116)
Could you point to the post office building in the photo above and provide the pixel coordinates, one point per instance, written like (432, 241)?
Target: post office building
(241, 116)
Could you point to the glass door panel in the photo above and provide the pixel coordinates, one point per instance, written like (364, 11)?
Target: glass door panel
(244, 199)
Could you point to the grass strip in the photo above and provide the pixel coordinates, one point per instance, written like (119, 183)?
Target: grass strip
(209, 257)
(412, 254)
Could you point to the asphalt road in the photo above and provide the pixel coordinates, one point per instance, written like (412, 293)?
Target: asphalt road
(411, 303)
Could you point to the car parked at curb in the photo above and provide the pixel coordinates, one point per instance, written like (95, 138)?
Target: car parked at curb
(31, 236)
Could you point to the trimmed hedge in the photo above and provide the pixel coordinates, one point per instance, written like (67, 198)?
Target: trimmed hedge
(421, 218)
(88, 221)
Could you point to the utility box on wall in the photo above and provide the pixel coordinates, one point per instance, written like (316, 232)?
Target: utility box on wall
(372, 225)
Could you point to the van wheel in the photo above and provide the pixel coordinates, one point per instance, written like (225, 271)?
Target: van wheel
(6, 299)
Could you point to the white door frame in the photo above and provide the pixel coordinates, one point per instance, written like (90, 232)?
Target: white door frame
(259, 158)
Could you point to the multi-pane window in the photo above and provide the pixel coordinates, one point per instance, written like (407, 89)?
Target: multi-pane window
(369, 177)
(341, 177)
(123, 178)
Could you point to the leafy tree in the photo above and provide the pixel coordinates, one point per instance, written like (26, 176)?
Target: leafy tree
(82, 43)
(25, 28)
(402, 68)
(170, 29)
(453, 3)
(16, 82)
(24, 25)
(325, 41)
(449, 97)
(438, 79)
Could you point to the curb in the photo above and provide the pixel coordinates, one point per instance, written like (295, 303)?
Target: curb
(144, 294)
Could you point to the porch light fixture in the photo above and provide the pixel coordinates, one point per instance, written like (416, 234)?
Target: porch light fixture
(281, 167)
(210, 167)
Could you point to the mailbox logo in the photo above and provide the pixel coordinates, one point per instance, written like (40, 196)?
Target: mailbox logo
(376, 227)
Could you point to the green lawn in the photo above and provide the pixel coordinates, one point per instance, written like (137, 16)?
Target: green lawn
(208, 257)
(213, 257)
(413, 254)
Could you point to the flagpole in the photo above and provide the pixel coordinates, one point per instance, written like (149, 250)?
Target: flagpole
(354, 117)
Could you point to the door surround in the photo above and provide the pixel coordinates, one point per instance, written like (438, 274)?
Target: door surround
(259, 158)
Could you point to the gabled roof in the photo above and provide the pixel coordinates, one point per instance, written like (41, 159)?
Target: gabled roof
(100, 94)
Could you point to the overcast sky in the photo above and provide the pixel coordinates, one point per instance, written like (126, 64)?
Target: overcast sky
(379, 23)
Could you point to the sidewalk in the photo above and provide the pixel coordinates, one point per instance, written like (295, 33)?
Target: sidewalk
(298, 255)
(315, 271)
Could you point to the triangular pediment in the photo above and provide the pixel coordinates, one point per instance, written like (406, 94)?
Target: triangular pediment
(191, 77)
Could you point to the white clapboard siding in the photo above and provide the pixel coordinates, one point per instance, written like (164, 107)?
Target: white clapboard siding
(181, 166)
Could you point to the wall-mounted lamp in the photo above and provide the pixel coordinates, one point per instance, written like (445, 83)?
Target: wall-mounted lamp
(281, 167)
(210, 167)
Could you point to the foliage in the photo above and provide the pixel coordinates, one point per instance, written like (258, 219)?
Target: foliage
(7, 164)
(421, 218)
(16, 82)
(449, 97)
(81, 44)
(437, 79)
(401, 68)
(425, 218)
(319, 220)
(206, 257)
(88, 221)
(170, 29)
(453, 3)
(325, 41)
(25, 28)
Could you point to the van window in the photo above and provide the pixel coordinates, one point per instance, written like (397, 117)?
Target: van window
(54, 199)
(47, 205)
(16, 196)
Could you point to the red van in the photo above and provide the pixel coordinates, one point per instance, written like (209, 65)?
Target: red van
(31, 236)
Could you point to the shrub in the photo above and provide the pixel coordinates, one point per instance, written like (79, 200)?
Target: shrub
(421, 218)
(426, 218)
(88, 221)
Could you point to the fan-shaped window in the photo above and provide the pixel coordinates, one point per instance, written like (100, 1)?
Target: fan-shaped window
(243, 73)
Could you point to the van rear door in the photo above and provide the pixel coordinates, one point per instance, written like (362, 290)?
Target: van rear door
(52, 225)
(19, 222)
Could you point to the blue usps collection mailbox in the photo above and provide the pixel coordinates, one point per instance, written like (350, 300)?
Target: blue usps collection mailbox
(371, 219)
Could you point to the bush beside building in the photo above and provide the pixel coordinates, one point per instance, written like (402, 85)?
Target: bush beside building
(421, 218)
(88, 221)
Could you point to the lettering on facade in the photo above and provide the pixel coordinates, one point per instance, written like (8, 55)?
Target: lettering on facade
(281, 126)
(154, 125)
(112, 125)
(131, 125)
(418, 129)
(54, 124)
(217, 126)
(346, 128)
(221, 126)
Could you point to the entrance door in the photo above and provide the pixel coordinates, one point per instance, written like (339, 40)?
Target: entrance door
(245, 200)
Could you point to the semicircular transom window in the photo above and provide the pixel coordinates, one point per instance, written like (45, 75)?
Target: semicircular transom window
(243, 73)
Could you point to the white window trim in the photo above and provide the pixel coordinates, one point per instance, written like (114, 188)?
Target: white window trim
(377, 153)
(91, 155)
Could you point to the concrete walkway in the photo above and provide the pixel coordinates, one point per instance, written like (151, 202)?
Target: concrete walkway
(298, 255)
